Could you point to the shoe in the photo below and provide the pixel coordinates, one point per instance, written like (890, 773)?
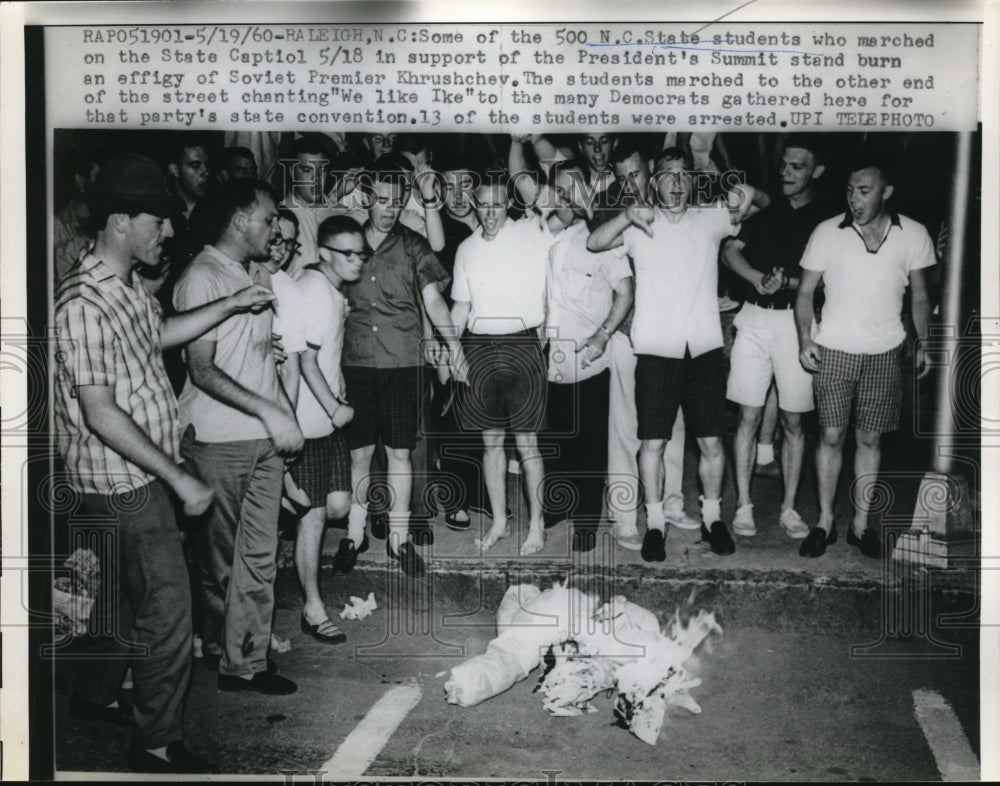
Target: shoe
(88, 710)
(347, 555)
(264, 682)
(421, 531)
(869, 543)
(793, 524)
(817, 540)
(627, 537)
(718, 538)
(584, 540)
(325, 631)
(379, 523)
(678, 518)
(179, 759)
(743, 523)
(770, 470)
(212, 661)
(652, 546)
(408, 559)
(458, 525)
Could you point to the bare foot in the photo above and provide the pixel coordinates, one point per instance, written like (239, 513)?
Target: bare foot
(492, 537)
(534, 543)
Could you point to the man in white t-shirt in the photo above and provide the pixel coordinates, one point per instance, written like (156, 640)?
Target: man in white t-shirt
(865, 259)
(324, 471)
(499, 293)
(677, 338)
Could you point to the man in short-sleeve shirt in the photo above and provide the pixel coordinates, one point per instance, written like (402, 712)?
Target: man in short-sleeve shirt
(677, 337)
(383, 353)
(865, 259)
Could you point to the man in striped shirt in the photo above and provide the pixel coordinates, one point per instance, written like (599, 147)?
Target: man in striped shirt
(117, 425)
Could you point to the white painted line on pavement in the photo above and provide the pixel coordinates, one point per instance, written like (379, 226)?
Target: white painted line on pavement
(363, 744)
(952, 753)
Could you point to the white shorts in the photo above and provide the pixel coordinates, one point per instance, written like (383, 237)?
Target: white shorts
(767, 346)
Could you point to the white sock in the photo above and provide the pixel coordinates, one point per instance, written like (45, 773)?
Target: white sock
(399, 524)
(710, 511)
(654, 516)
(765, 453)
(356, 523)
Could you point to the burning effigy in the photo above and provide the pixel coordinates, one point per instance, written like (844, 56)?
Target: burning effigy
(617, 648)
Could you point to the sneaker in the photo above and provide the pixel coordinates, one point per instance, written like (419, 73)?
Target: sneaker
(718, 538)
(179, 759)
(627, 537)
(652, 546)
(793, 524)
(743, 523)
(678, 518)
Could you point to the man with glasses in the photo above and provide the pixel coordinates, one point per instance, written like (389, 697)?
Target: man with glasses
(383, 355)
(240, 426)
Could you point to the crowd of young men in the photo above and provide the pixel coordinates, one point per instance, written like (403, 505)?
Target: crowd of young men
(361, 309)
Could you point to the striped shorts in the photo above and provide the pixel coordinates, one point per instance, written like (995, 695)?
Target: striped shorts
(869, 384)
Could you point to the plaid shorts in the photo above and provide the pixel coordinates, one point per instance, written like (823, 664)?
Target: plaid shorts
(507, 383)
(664, 384)
(324, 466)
(386, 403)
(874, 382)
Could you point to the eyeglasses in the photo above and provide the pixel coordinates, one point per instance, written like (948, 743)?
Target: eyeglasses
(364, 256)
(293, 246)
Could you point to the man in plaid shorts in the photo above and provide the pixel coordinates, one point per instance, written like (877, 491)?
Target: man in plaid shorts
(865, 259)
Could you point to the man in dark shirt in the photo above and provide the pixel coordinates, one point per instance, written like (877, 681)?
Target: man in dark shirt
(766, 256)
(382, 357)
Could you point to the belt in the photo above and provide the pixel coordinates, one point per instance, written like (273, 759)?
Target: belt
(772, 306)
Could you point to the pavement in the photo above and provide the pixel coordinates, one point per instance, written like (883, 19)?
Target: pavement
(815, 677)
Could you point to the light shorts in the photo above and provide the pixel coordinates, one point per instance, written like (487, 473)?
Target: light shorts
(767, 346)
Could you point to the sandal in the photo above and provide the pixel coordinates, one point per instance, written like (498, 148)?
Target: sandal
(325, 631)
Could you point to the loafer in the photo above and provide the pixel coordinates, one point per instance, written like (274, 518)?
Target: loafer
(89, 711)
(458, 525)
(379, 523)
(408, 558)
(347, 555)
(584, 540)
(817, 540)
(718, 538)
(653, 547)
(421, 532)
(264, 682)
(179, 759)
(869, 543)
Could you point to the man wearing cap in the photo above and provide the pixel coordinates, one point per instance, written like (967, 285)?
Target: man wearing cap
(118, 431)
(240, 424)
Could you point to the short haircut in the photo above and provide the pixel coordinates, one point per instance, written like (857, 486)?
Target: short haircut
(230, 154)
(810, 143)
(629, 145)
(565, 165)
(179, 141)
(233, 197)
(868, 158)
(337, 225)
(673, 154)
(314, 143)
(284, 214)
(392, 168)
(412, 143)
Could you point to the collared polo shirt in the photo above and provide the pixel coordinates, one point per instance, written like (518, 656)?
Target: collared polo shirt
(243, 347)
(504, 278)
(581, 286)
(864, 289)
(384, 325)
(109, 335)
(676, 278)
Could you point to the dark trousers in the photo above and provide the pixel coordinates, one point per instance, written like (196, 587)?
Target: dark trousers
(578, 435)
(460, 453)
(151, 613)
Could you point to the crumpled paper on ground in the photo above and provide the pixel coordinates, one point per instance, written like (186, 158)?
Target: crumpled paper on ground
(358, 609)
(617, 646)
